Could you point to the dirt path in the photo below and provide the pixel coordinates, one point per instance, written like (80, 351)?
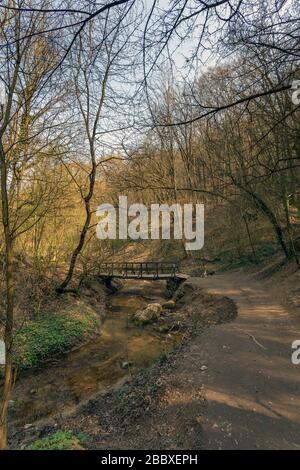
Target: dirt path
(252, 389)
(234, 386)
(231, 387)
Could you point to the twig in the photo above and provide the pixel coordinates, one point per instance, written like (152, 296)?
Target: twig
(255, 341)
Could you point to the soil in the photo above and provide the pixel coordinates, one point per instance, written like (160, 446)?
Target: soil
(107, 416)
(232, 386)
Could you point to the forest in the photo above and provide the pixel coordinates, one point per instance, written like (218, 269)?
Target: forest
(166, 102)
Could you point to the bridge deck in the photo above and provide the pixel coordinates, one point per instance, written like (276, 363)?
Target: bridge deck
(141, 270)
(145, 276)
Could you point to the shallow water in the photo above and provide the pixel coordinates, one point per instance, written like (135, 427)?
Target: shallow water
(97, 366)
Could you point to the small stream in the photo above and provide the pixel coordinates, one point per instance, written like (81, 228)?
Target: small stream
(62, 384)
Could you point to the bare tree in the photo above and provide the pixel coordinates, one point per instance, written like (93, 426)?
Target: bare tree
(96, 66)
(24, 136)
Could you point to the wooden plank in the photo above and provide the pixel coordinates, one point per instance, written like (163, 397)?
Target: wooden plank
(146, 270)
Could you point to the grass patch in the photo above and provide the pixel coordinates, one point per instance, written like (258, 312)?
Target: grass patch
(52, 334)
(60, 440)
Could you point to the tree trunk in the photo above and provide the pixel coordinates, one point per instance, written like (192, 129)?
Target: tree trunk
(250, 238)
(9, 284)
(290, 228)
(77, 250)
(87, 202)
(272, 218)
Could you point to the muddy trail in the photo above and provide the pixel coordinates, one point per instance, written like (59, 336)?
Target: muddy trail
(120, 351)
(231, 386)
(154, 407)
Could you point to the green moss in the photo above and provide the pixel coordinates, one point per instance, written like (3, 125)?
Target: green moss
(52, 334)
(61, 440)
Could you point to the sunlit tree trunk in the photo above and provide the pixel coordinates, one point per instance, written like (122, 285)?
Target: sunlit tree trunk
(9, 285)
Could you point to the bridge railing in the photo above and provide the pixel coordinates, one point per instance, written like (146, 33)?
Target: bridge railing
(139, 269)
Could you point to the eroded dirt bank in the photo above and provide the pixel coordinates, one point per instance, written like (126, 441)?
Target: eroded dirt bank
(159, 407)
(117, 350)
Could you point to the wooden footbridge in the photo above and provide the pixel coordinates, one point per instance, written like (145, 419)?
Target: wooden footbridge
(148, 270)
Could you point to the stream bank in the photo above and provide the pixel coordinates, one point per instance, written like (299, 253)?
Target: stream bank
(107, 415)
(118, 352)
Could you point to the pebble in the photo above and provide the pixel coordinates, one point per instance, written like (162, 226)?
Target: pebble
(28, 426)
(126, 364)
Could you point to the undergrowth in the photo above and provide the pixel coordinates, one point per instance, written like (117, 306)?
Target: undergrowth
(60, 440)
(52, 334)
